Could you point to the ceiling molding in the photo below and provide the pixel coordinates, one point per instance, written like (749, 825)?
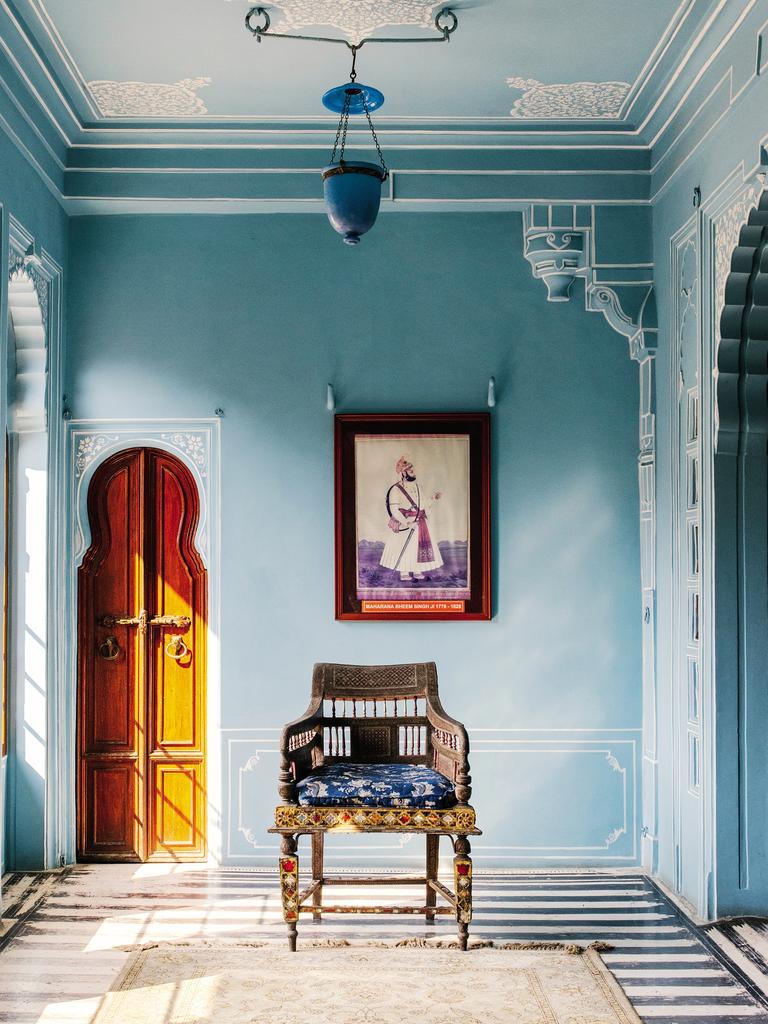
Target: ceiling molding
(75, 88)
(440, 163)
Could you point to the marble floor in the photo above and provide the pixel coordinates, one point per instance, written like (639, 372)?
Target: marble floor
(66, 936)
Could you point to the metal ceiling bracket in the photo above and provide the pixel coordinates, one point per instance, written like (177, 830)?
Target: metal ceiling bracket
(446, 24)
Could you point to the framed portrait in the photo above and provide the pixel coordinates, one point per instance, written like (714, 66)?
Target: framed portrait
(413, 516)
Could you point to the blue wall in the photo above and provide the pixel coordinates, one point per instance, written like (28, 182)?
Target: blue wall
(726, 835)
(175, 316)
(22, 802)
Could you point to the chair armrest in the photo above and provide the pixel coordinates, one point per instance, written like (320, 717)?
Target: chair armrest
(296, 737)
(450, 747)
(440, 719)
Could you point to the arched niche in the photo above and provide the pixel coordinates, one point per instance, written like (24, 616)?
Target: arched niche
(27, 352)
(742, 354)
(740, 560)
(28, 565)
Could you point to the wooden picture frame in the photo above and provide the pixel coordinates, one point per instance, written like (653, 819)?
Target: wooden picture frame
(412, 516)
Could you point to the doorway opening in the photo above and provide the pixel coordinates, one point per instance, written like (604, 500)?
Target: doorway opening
(142, 634)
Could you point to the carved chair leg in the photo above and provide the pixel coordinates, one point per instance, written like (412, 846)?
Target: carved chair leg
(318, 843)
(289, 886)
(462, 876)
(433, 848)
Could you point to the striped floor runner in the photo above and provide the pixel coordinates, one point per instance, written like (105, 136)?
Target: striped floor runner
(67, 940)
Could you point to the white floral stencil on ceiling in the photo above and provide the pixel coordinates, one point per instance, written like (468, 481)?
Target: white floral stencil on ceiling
(568, 101)
(355, 18)
(149, 99)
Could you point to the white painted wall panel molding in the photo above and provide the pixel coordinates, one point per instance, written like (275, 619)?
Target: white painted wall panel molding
(563, 244)
(689, 776)
(568, 770)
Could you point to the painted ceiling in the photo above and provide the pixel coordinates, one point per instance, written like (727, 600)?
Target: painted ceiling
(517, 61)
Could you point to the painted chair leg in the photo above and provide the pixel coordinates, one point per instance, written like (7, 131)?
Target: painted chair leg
(289, 886)
(462, 876)
(318, 843)
(433, 850)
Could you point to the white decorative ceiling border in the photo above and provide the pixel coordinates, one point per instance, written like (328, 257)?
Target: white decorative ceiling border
(355, 19)
(56, 40)
(149, 99)
(568, 101)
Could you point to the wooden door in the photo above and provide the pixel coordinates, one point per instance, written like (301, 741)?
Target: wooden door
(142, 661)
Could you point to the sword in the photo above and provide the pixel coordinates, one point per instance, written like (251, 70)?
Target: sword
(402, 552)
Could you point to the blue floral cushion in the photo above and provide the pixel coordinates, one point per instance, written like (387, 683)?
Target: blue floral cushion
(376, 785)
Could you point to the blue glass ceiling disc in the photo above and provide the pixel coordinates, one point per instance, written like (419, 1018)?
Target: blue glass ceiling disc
(334, 98)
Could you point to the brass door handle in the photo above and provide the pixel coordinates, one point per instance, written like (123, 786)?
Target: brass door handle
(109, 648)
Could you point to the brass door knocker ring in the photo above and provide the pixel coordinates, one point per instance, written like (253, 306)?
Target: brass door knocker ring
(176, 648)
(109, 648)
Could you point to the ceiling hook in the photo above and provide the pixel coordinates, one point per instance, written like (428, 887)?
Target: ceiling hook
(446, 22)
(353, 73)
(257, 30)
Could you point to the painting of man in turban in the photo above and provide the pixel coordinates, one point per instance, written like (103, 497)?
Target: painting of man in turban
(412, 501)
(412, 516)
(410, 550)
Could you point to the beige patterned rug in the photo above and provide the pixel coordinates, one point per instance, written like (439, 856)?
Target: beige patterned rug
(235, 984)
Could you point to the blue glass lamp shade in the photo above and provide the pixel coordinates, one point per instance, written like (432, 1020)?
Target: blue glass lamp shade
(352, 189)
(352, 196)
(354, 96)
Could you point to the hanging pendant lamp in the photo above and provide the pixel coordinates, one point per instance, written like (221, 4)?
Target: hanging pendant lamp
(352, 189)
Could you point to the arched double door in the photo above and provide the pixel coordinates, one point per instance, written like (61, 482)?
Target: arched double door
(142, 611)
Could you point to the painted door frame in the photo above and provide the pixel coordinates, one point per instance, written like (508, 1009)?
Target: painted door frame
(197, 444)
(691, 782)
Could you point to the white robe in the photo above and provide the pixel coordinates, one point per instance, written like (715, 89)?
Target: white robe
(401, 551)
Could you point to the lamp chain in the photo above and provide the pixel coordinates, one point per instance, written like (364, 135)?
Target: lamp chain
(375, 139)
(340, 141)
(343, 124)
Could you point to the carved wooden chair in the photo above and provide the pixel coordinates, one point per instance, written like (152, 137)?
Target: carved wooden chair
(375, 752)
